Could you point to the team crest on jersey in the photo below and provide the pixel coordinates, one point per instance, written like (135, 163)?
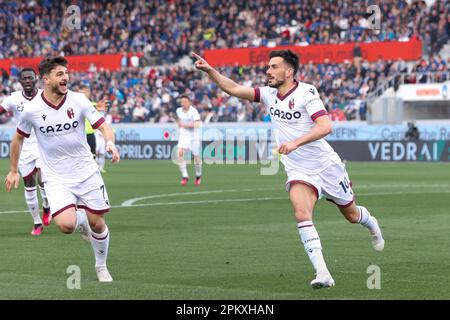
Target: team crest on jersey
(291, 104)
(70, 113)
(20, 108)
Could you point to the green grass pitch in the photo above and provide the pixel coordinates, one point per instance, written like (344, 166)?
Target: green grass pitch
(234, 237)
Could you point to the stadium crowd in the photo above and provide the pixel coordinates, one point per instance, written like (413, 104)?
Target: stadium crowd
(165, 31)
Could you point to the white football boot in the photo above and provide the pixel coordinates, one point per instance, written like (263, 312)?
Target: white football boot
(322, 280)
(377, 237)
(85, 231)
(103, 274)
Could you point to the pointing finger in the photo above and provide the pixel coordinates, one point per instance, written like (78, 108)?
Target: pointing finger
(196, 56)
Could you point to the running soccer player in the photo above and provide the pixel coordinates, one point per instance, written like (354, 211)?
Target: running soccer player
(75, 189)
(29, 164)
(312, 166)
(100, 142)
(189, 139)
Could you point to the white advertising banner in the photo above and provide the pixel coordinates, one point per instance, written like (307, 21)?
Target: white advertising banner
(424, 92)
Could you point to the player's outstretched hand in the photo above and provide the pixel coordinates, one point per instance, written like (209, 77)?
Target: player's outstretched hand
(111, 149)
(102, 105)
(12, 179)
(201, 63)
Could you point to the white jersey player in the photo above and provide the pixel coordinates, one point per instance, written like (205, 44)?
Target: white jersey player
(75, 189)
(189, 139)
(313, 168)
(29, 165)
(100, 144)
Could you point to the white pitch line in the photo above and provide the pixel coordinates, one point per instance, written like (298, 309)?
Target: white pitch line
(374, 186)
(6, 212)
(263, 199)
(181, 203)
(131, 202)
(201, 202)
(244, 199)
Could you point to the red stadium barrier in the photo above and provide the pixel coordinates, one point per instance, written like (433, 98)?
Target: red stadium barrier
(335, 53)
(76, 63)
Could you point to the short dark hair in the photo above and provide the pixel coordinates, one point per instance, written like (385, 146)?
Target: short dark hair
(26, 70)
(288, 56)
(49, 63)
(185, 96)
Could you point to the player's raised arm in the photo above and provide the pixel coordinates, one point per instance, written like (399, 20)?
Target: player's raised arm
(12, 179)
(226, 84)
(108, 134)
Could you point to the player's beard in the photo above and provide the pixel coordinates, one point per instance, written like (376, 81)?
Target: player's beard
(57, 90)
(275, 83)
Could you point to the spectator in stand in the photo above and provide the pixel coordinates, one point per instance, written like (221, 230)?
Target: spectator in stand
(165, 31)
(140, 113)
(156, 89)
(152, 35)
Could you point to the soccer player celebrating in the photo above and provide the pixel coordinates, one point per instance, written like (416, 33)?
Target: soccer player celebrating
(189, 139)
(75, 189)
(312, 166)
(29, 164)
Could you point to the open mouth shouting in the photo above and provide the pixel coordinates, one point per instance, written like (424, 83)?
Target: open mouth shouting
(63, 86)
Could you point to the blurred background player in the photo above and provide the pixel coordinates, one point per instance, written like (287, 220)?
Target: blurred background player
(90, 132)
(29, 165)
(313, 168)
(76, 192)
(100, 143)
(95, 138)
(189, 139)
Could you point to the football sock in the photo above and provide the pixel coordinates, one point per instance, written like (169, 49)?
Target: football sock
(183, 170)
(81, 219)
(33, 204)
(44, 197)
(366, 219)
(311, 242)
(101, 161)
(198, 169)
(100, 245)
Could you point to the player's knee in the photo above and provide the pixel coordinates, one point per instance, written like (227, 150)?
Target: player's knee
(39, 177)
(29, 181)
(66, 227)
(98, 225)
(303, 215)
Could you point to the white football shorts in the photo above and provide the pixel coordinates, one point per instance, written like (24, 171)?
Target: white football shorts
(333, 183)
(191, 144)
(90, 195)
(28, 168)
